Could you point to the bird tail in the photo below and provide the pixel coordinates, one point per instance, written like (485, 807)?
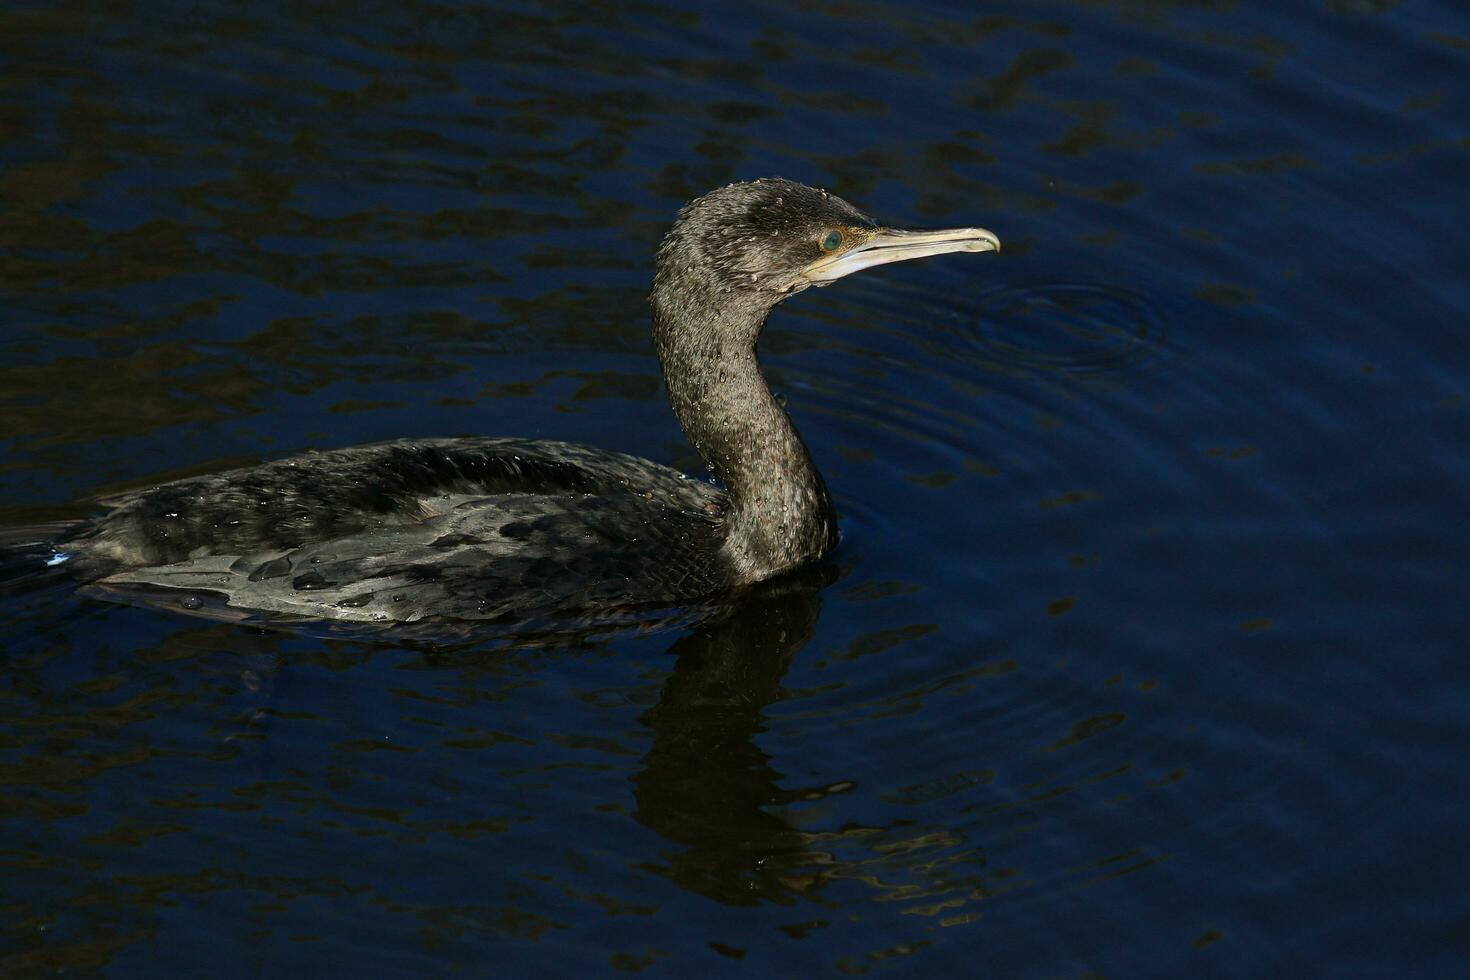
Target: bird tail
(32, 555)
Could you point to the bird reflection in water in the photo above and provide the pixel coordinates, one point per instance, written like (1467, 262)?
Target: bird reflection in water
(705, 785)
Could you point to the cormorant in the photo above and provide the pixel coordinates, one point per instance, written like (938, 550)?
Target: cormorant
(511, 529)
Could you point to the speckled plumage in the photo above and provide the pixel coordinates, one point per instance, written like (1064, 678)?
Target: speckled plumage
(400, 531)
(732, 256)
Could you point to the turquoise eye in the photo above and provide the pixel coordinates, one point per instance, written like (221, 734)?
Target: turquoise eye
(833, 239)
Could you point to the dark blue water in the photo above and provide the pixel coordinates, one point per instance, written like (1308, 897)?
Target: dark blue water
(1144, 654)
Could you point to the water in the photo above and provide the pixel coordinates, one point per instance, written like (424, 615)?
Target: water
(1143, 651)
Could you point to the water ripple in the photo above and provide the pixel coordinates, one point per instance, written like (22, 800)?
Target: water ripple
(1079, 329)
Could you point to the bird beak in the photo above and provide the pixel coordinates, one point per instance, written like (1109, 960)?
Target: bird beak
(898, 245)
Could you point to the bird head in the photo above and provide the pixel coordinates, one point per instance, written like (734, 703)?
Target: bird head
(764, 240)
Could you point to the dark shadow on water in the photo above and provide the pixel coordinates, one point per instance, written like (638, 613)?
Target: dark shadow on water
(705, 785)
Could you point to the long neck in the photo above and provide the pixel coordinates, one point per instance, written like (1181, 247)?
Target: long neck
(780, 514)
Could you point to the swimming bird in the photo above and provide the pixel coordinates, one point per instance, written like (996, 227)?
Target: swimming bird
(512, 529)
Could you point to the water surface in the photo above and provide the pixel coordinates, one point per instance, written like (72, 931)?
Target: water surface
(1143, 654)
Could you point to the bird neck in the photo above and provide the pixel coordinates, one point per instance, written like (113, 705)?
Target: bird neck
(779, 514)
